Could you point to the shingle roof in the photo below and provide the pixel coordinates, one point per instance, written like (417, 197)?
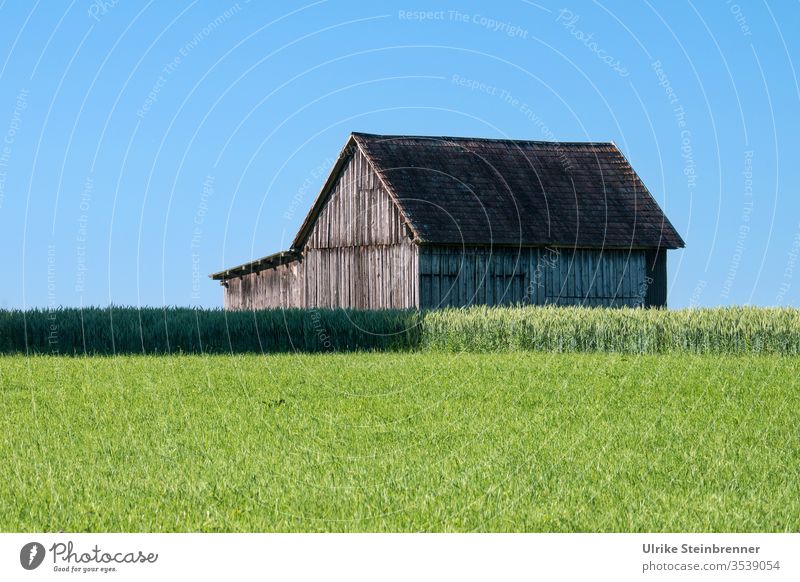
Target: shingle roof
(456, 190)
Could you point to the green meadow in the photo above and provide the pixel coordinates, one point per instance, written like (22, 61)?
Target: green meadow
(400, 442)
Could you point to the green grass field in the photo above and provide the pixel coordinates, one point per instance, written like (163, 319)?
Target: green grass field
(400, 442)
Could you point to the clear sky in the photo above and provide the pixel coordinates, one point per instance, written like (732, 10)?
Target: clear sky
(144, 145)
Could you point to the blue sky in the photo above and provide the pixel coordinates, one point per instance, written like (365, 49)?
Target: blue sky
(145, 145)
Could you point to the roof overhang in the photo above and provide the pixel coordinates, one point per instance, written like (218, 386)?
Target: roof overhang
(546, 244)
(268, 262)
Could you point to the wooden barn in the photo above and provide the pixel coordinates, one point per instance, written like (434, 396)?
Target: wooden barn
(427, 222)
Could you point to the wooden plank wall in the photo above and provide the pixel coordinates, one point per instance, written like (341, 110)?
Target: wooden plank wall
(656, 281)
(359, 212)
(459, 277)
(455, 278)
(366, 277)
(359, 254)
(588, 277)
(282, 286)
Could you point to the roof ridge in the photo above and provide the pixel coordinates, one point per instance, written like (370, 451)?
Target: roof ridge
(468, 138)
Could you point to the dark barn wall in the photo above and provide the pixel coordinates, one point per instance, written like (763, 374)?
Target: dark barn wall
(656, 263)
(455, 277)
(539, 276)
(592, 277)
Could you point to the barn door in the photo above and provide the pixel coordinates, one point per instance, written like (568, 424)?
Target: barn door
(590, 277)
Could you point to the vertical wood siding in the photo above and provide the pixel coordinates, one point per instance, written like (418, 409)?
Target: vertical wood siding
(359, 212)
(460, 277)
(282, 286)
(359, 254)
(656, 263)
(376, 277)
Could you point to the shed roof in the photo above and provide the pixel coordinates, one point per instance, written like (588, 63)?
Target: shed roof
(270, 261)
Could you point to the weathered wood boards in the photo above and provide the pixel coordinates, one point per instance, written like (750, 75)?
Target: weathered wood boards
(282, 286)
(537, 276)
(359, 254)
(405, 276)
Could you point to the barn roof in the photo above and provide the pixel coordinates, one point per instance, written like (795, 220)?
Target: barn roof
(456, 190)
(477, 191)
